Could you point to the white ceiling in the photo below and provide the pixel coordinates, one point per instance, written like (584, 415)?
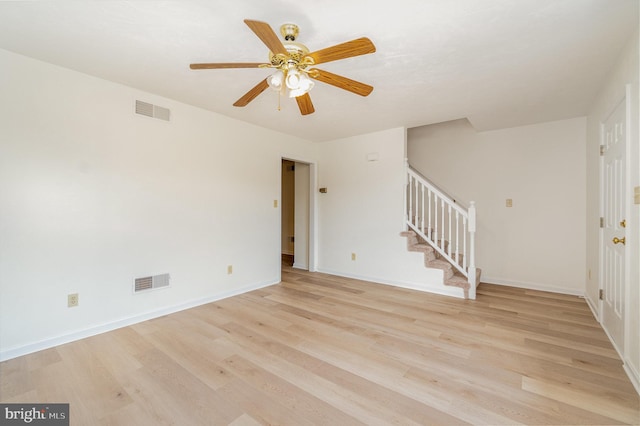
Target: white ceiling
(500, 63)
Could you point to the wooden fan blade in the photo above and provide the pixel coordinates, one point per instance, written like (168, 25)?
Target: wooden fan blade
(360, 46)
(225, 65)
(305, 104)
(252, 94)
(341, 82)
(267, 35)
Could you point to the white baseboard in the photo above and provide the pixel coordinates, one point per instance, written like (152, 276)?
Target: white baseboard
(593, 306)
(533, 286)
(6, 354)
(634, 376)
(442, 289)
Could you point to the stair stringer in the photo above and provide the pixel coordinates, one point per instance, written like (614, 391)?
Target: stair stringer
(432, 259)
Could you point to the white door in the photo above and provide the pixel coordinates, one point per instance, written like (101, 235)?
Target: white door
(301, 226)
(614, 223)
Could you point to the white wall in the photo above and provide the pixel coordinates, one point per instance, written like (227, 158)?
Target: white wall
(539, 242)
(92, 196)
(624, 72)
(362, 213)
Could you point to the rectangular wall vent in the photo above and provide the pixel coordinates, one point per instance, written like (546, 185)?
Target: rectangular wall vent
(161, 113)
(144, 108)
(150, 283)
(153, 111)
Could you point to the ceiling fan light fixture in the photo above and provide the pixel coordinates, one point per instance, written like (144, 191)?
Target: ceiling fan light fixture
(275, 80)
(304, 86)
(293, 79)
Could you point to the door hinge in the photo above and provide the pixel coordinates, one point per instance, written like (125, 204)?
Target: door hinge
(601, 294)
(601, 150)
(602, 222)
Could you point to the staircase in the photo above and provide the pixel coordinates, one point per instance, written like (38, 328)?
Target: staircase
(442, 229)
(432, 259)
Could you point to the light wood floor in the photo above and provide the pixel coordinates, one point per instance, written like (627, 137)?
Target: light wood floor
(319, 349)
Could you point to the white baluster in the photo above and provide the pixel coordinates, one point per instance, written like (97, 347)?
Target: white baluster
(449, 220)
(472, 261)
(465, 258)
(416, 206)
(405, 215)
(435, 221)
(429, 222)
(410, 213)
(442, 228)
(457, 237)
(422, 214)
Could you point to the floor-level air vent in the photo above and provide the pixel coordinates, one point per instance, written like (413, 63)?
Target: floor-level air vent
(150, 283)
(154, 111)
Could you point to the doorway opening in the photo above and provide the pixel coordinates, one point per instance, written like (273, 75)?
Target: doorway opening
(297, 215)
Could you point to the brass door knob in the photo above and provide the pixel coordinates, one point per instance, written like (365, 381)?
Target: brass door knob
(617, 240)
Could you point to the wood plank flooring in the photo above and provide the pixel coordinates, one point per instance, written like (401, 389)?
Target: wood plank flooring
(319, 349)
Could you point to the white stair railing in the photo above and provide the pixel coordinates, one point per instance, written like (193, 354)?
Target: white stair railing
(447, 226)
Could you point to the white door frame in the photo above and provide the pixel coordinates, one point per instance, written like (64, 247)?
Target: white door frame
(313, 212)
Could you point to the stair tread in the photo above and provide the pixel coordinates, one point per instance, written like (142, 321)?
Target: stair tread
(423, 247)
(456, 281)
(442, 264)
(458, 278)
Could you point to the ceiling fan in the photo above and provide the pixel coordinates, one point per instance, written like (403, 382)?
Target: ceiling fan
(294, 63)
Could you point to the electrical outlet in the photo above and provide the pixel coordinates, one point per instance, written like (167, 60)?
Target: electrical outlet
(72, 300)
(229, 269)
(509, 202)
(275, 204)
(353, 256)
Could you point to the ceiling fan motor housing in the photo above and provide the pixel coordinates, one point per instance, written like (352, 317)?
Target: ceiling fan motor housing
(296, 51)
